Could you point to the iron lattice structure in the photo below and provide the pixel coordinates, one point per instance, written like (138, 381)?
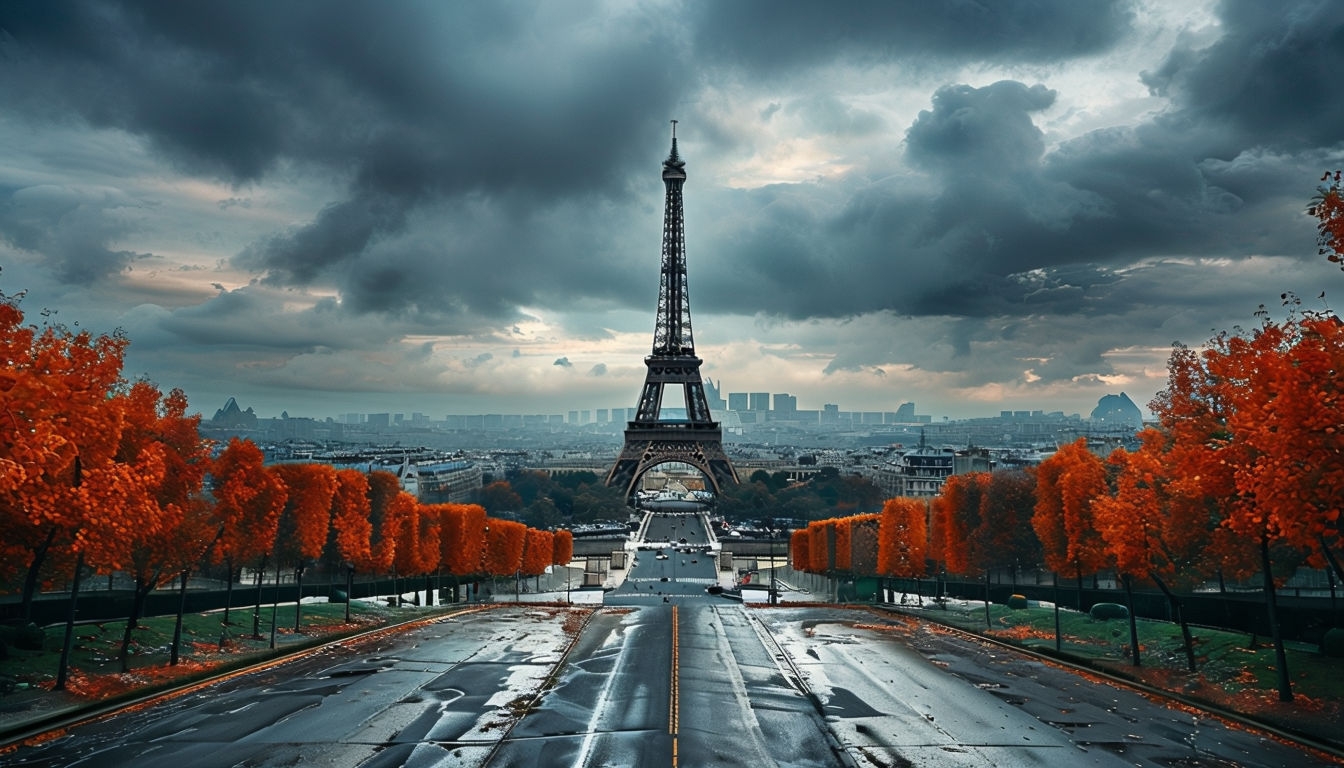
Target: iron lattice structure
(650, 439)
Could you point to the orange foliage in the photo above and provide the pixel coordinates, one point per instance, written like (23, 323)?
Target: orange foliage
(1328, 208)
(504, 541)
(383, 489)
(1066, 484)
(306, 518)
(402, 520)
(538, 549)
(957, 508)
(463, 538)
(798, 554)
(903, 537)
(865, 535)
(821, 546)
(350, 517)
(1285, 411)
(54, 390)
(843, 544)
(563, 548)
(248, 501)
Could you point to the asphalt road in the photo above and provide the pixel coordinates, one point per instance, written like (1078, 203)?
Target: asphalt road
(664, 674)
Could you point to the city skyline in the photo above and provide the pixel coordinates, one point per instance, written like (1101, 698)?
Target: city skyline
(332, 208)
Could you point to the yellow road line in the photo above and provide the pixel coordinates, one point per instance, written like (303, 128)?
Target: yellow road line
(673, 710)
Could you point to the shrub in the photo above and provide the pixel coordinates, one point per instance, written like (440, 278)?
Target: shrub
(1017, 601)
(26, 637)
(1107, 611)
(1332, 643)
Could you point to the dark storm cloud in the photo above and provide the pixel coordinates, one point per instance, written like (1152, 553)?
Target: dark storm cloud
(768, 35)
(433, 102)
(70, 227)
(972, 133)
(1006, 224)
(1268, 79)
(481, 157)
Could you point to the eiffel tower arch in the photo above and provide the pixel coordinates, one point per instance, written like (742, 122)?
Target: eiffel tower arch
(651, 439)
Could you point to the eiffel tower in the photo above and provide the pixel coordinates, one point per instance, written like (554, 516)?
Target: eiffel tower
(651, 439)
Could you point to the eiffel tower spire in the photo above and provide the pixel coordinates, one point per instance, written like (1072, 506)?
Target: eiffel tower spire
(651, 439)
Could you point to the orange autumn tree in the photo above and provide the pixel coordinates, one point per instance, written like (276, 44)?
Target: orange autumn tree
(1299, 466)
(864, 542)
(844, 544)
(1003, 538)
(122, 520)
(1328, 209)
(403, 517)
(957, 508)
(1200, 482)
(1066, 485)
(799, 558)
(463, 538)
(305, 521)
(383, 490)
(562, 549)
(158, 473)
(504, 541)
(537, 550)
(54, 423)
(248, 501)
(902, 537)
(821, 546)
(350, 527)
(1283, 418)
(1153, 528)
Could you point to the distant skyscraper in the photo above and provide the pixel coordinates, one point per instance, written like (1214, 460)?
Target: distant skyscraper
(760, 401)
(712, 395)
(785, 403)
(737, 401)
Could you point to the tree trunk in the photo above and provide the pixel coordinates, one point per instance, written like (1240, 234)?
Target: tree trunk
(988, 623)
(141, 591)
(1271, 604)
(177, 627)
(1054, 577)
(1079, 573)
(298, 599)
(349, 591)
(1179, 610)
(1133, 620)
(228, 589)
(1330, 558)
(275, 602)
(68, 646)
(34, 568)
(256, 611)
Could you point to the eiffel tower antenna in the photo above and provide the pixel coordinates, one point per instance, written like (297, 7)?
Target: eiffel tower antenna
(651, 439)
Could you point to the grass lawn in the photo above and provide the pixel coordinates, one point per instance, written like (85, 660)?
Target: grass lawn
(1235, 671)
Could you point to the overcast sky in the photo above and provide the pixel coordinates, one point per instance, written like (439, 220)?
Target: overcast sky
(330, 207)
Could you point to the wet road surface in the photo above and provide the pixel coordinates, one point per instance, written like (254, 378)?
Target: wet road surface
(665, 674)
